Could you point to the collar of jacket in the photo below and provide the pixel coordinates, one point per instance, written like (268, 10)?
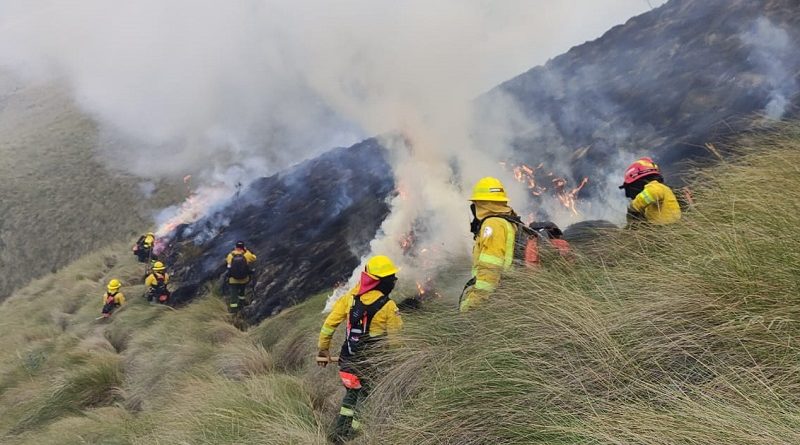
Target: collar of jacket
(370, 297)
(485, 209)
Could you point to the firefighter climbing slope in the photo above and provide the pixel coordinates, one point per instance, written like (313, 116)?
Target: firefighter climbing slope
(239, 274)
(156, 282)
(495, 236)
(113, 298)
(651, 200)
(370, 315)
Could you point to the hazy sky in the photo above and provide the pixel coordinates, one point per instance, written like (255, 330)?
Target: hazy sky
(250, 78)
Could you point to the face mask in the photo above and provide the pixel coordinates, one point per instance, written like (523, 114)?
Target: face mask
(387, 284)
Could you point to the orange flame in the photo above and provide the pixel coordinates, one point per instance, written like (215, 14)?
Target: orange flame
(526, 175)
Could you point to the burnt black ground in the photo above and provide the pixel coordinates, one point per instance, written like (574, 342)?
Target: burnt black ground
(308, 226)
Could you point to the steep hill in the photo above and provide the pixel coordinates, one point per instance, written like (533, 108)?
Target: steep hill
(665, 83)
(677, 335)
(57, 200)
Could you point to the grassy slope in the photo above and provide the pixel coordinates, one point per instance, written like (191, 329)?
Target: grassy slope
(686, 334)
(683, 335)
(57, 202)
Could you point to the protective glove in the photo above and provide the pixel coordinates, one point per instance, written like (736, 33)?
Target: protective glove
(323, 358)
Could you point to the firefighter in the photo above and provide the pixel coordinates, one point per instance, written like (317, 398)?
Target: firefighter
(651, 201)
(156, 282)
(113, 298)
(495, 237)
(370, 315)
(238, 275)
(143, 249)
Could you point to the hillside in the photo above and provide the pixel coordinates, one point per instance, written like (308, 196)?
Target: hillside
(57, 200)
(663, 84)
(681, 335)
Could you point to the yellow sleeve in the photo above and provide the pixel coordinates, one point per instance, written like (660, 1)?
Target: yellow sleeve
(228, 259)
(119, 298)
(650, 195)
(150, 280)
(249, 257)
(105, 295)
(333, 320)
(166, 278)
(489, 261)
(492, 249)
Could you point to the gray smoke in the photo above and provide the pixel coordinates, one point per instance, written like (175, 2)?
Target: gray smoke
(772, 52)
(230, 90)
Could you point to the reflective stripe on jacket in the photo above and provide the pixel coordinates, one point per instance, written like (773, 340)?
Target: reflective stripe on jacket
(657, 203)
(386, 321)
(492, 253)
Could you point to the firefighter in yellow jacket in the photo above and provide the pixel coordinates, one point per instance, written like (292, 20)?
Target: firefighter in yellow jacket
(651, 200)
(494, 234)
(143, 249)
(239, 274)
(370, 315)
(156, 282)
(113, 298)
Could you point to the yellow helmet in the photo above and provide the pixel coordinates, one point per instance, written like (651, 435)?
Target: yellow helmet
(489, 189)
(381, 266)
(159, 266)
(151, 234)
(114, 285)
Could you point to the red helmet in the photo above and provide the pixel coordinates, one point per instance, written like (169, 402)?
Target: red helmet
(642, 168)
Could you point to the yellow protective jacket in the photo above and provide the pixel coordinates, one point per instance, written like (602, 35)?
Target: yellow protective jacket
(119, 298)
(386, 321)
(657, 204)
(492, 253)
(151, 280)
(249, 256)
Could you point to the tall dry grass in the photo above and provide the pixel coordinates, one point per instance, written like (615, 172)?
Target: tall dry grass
(672, 335)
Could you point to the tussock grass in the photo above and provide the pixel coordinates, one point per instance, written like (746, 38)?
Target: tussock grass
(675, 335)
(681, 334)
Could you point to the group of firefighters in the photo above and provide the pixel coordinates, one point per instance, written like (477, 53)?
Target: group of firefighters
(367, 310)
(238, 275)
(371, 315)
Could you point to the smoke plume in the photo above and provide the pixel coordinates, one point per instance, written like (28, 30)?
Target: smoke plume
(772, 53)
(229, 91)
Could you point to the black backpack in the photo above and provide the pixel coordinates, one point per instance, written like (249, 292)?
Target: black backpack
(239, 268)
(358, 323)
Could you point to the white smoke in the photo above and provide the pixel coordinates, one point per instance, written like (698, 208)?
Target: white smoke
(198, 87)
(773, 52)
